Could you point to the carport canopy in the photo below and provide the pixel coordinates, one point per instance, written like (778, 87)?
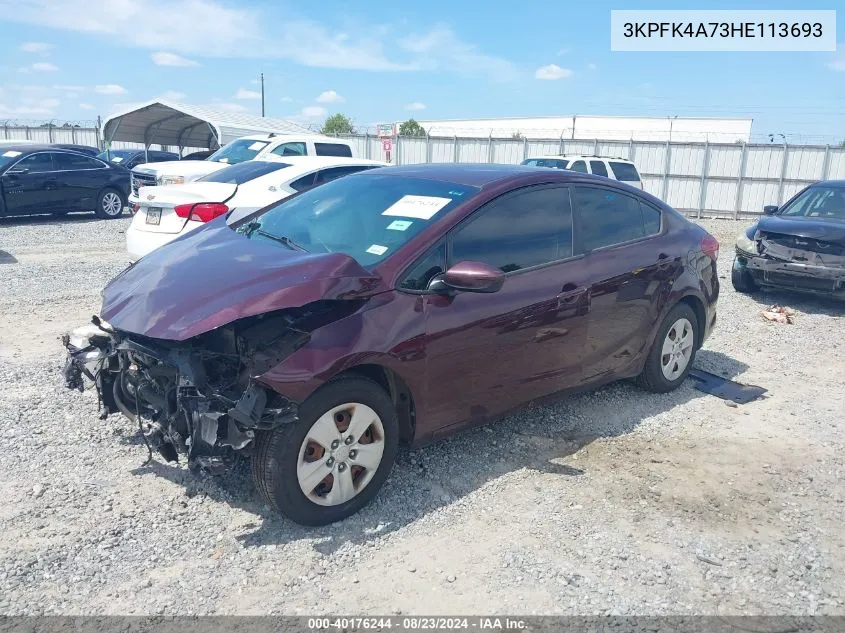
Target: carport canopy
(181, 125)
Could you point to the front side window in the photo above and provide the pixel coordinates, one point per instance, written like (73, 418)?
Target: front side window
(243, 172)
(607, 217)
(333, 149)
(426, 268)
(817, 202)
(516, 231)
(36, 163)
(366, 216)
(580, 166)
(290, 149)
(598, 168)
(73, 162)
(238, 151)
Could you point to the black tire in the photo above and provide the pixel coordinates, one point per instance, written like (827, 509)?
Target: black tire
(651, 378)
(105, 204)
(741, 279)
(274, 462)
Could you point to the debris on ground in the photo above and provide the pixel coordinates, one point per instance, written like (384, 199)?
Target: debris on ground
(779, 314)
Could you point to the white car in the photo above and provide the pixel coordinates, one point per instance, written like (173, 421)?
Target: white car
(620, 169)
(256, 146)
(164, 213)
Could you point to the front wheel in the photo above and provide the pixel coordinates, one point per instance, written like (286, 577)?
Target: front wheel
(334, 459)
(672, 352)
(110, 204)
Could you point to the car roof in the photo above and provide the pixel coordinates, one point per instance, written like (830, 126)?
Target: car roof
(281, 138)
(472, 174)
(306, 163)
(28, 147)
(615, 159)
(829, 183)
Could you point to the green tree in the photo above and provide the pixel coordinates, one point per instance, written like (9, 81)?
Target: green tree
(517, 136)
(411, 128)
(338, 124)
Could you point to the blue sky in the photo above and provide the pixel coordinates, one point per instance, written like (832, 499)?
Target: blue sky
(384, 60)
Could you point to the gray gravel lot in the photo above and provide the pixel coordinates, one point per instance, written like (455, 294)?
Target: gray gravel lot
(609, 502)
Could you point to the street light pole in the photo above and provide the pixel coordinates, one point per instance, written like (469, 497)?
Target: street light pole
(262, 94)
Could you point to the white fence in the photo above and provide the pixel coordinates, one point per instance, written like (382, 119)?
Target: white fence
(700, 179)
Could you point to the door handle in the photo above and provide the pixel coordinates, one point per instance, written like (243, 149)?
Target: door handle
(570, 293)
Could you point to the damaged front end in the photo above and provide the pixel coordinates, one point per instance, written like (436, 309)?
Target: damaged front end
(793, 262)
(200, 397)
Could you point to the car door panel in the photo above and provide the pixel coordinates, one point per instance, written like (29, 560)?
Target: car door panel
(30, 185)
(82, 179)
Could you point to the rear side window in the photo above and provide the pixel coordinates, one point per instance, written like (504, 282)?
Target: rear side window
(336, 172)
(301, 184)
(598, 168)
(517, 231)
(579, 166)
(545, 162)
(243, 172)
(651, 219)
(333, 149)
(625, 172)
(290, 149)
(67, 161)
(607, 217)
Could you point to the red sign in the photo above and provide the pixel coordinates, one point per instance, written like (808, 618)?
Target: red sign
(387, 144)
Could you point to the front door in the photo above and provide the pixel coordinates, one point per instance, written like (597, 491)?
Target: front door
(30, 185)
(488, 353)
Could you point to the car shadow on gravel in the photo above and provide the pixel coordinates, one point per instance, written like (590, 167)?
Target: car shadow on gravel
(427, 480)
(82, 217)
(802, 302)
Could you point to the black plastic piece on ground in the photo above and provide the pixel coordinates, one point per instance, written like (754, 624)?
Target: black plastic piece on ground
(724, 388)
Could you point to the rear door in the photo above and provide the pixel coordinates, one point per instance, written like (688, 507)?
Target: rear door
(627, 173)
(30, 185)
(620, 238)
(80, 179)
(598, 168)
(503, 349)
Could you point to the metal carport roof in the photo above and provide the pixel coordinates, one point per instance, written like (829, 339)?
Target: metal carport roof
(177, 124)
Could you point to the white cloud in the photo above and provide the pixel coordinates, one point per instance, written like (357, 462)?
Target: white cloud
(36, 47)
(592, 67)
(44, 67)
(86, 106)
(415, 105)
(329, 96)
(170, 95)
(69, 88)
(314, 112)
(562, 52)
(286, 99)
(110, 89)
(245, 94)
(172, 59)
(551, 72)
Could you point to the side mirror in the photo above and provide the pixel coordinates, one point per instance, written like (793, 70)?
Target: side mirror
(770, 209)
(472, 277)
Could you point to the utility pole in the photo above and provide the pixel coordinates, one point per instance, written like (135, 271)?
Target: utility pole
(262, 94)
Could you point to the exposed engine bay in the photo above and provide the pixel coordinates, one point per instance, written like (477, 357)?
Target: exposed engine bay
(200, 397)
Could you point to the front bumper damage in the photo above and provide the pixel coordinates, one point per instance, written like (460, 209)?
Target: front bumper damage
(201, 397)
(796, 263)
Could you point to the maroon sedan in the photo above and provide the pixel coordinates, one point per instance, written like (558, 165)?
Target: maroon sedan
(396, 305)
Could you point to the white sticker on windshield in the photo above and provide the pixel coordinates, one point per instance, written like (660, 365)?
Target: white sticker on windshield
(422, 207)
(256, 146)
(377, 249)
(117, 159)
(399, 225)
(11, 154)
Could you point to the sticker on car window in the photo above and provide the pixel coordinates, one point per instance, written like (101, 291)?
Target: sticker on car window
(377, 249)
(11, 154)
(256, 146)
(421, 207)
(117, 159)
(399, 225)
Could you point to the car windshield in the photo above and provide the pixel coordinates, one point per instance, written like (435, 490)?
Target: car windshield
(365, 216)
(238, 151)
(117, 155)
(7, 156)
(243, 172)
(820, 203)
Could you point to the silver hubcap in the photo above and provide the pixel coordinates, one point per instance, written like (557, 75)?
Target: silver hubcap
(111, 204)
(677, 349)
(340, 454)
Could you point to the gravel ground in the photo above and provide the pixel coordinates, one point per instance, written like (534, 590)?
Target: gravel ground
(612, 502)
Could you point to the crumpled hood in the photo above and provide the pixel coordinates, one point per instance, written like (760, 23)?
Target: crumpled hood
(826, 230)
(188, 169)
(213, 276)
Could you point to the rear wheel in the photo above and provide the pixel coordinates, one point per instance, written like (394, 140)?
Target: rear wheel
(110, 204)
(673, 351)
(741, 279)
(334, 459)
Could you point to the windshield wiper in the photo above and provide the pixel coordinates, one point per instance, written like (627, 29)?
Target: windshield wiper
(254, 228)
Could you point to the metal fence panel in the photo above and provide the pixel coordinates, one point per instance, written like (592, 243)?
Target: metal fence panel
(836, 165)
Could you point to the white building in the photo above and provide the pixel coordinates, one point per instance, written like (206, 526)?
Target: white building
(698, 129)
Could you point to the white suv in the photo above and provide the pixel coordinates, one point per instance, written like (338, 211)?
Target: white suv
(616, 168)
(177, 172)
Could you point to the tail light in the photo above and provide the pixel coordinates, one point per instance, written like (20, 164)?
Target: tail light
(710, 247)
(202, 211)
